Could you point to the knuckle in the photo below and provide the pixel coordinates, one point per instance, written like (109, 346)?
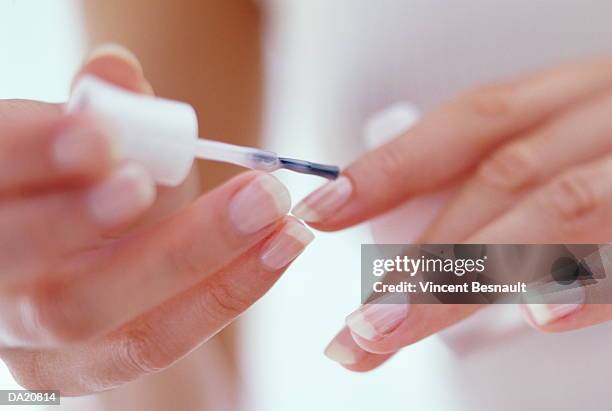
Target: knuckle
(492, 100)
(138, 353)
(510, 169)
(223, 301)
(574, 196)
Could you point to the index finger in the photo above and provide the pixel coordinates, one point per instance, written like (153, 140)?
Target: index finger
(448, 143)
(39, 147)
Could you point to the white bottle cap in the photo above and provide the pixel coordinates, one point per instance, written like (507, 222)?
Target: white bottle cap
(158, 133)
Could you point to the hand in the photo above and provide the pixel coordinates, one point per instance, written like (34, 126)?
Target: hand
(100, 282)
(533, 158)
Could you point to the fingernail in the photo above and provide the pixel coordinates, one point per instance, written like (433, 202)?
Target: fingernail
(554, 301)
(262, 202)
(76, 146)
(377, 319)
(122, 196)
(544, 314)
(117, 50)
(344, 350)
(147, 88)
(325, 201)
(285, 246)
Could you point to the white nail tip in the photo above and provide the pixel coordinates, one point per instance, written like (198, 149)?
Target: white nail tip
(306, 213)
(340, 354)
(360, 325)
(114, 49)
(299, 232)
(544, 314)
(278, 192)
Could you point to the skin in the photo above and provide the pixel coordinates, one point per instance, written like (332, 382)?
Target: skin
(468, 141)
(72, 320)
(207, 53)
(532, 155)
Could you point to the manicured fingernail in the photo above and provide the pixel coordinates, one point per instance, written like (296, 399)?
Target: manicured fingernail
(343, 350)
(554, 301)
(147, 88)
(78, 147)
(285, 246)
(544, 314)
(379, 318)
(262, 202)
(116, 50)
(122, 196)
(328, 199)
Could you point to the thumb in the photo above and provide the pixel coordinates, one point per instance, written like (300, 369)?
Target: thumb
(118, 65)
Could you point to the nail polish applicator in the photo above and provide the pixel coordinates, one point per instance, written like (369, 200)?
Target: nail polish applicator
(162, 134)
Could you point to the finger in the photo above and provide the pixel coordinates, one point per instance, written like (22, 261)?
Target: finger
(523, 165)
(38, 231)
(448, 143)
(118, 65)
(384, 328)
(576, 308)
(37, 146)
(566, 317)
(574, 208)
(44, 152)
(159, 338)
(130, 276)
(344, 350)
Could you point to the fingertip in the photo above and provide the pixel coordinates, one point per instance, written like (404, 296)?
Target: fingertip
(118, 65)
(286, 245)
(117, 51)
(82, 148)
(346, 352)
(343, 350)
(122, 197)
(541, 316)
(325, 203)
(260, 202)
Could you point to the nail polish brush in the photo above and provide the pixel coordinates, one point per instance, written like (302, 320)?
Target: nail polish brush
(162, 134)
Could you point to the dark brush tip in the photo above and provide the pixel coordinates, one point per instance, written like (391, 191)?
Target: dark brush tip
(306, 167)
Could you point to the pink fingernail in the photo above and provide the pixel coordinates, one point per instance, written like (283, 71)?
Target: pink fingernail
(325, 201)
(285, 246)
(126, 193)
(544, 314)
(73, 150)
(343, 350)
(116, 50)
(379, 318)
(262, 202)
(559, 302)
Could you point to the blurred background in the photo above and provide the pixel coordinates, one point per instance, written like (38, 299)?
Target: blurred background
(328, 66)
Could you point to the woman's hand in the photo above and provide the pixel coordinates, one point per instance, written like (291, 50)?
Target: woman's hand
(101, 281)
(533, 158)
